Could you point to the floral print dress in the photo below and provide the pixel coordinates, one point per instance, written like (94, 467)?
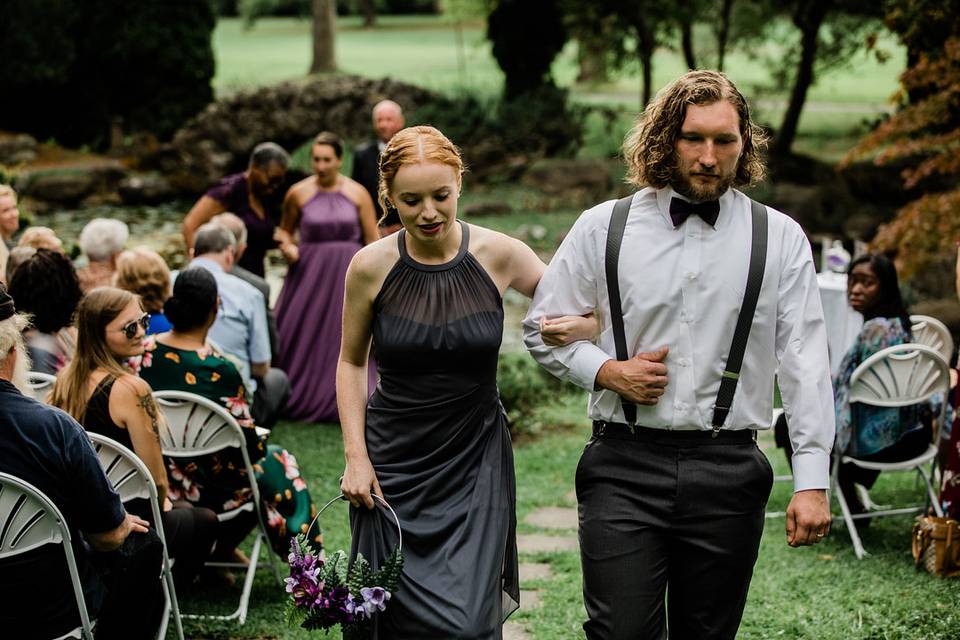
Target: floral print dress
(218, 481)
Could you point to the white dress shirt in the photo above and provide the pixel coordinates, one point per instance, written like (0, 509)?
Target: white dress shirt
(683, 288)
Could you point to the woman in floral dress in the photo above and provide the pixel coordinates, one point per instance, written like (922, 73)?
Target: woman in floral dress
(182, 360)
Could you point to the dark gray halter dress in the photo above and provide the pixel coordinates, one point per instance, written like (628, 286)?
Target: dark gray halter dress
(438, 440)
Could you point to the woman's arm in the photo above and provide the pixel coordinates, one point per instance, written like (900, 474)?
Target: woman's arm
(359, 478)
(368, 215)
(526, 269)
(132, 406)
(289, 221)
(204, 209)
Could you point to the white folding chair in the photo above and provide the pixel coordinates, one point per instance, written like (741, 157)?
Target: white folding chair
(28, 520)
(196, 427)
(933, 333)
(131, 480)
(41, 384)
(897, 376)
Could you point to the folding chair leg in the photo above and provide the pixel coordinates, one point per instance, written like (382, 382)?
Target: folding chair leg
(173, 606)
(931, 494)
(248, 579)
(851, 527)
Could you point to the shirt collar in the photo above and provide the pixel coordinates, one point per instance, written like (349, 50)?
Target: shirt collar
(665, 194)
(8, 387)
(207, 264)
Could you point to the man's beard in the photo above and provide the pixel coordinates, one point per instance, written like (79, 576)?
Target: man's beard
(21, 371)
(682, 185)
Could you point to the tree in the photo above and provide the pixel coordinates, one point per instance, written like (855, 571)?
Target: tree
(324, 34)
(149, 66)
(850, 24)
(925, 133)
(526, 60)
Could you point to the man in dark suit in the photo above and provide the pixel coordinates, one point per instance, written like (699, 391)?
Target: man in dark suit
(236, 226)
(387, 120)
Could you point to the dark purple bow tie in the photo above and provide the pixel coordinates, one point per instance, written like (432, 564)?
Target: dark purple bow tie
(681, 209)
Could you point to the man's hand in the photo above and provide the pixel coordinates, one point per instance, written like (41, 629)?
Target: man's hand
(808, 517)
(640, 379)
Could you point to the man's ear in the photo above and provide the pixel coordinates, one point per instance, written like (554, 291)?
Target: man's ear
(190, 253)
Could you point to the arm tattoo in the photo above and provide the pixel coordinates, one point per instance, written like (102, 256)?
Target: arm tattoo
(149, 407)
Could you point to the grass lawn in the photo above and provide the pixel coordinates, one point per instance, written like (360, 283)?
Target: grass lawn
(423, 50)
(820, 592)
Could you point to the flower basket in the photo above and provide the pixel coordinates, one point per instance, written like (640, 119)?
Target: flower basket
(326, 593)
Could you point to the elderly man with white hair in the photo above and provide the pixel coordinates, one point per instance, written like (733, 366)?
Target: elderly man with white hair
(50, 450)
(387, 121)
(102, 240)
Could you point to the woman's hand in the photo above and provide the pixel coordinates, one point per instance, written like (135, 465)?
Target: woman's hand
(562, 331)
(290, 251)
(357, 482)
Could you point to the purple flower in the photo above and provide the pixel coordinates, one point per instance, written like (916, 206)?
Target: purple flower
(374, 598)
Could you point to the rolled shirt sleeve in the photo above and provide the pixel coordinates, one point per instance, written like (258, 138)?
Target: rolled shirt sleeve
(804, 369)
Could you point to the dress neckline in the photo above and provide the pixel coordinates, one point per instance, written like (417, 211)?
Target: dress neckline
(409, 261)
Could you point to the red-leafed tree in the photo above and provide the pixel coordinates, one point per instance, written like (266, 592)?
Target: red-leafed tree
(924, 134)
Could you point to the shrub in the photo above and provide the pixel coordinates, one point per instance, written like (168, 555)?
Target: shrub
(525, 388)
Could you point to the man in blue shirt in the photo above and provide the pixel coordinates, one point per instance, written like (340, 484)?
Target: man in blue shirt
(241, 330)
(48, 449)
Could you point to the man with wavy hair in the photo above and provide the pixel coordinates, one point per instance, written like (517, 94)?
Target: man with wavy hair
(672, 487)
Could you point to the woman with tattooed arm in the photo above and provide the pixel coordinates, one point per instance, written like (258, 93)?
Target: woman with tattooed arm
(106, 398)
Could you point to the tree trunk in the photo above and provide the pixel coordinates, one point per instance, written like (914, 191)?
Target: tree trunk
(686, 41)
(369, 12)
(808, 18)
(591, 59)
(645, 47)
(324, 28)
(723, 32)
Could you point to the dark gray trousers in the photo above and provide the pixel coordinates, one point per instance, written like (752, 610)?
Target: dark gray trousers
(669, 516)
(270, 398)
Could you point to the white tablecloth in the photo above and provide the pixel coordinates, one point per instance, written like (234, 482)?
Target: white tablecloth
(843, 323)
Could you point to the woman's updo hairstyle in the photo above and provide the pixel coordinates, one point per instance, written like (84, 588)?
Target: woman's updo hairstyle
(194, 298)
(414, 145)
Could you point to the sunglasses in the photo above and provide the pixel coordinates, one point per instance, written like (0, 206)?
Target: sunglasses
(130, 329)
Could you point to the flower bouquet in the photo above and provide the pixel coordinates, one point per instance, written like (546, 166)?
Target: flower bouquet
(327, 593)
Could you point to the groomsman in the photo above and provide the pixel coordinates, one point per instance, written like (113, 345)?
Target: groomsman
(387, 120)
(672, 486)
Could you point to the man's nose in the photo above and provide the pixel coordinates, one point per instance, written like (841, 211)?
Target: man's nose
(708, 157)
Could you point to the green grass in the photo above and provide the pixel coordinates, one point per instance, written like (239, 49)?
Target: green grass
(423, 50)
(821, 592)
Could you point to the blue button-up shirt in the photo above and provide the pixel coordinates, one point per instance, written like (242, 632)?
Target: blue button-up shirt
(240, 330)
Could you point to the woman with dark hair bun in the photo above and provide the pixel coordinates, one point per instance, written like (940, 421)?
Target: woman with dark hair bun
(46, 286)
(182, 360)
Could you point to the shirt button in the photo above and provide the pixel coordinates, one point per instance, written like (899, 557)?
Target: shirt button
(684, 362)
(691, 275)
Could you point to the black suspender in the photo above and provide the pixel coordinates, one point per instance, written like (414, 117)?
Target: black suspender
(731, 373)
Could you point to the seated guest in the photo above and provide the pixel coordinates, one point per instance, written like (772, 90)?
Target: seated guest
(235, 225)
(144, 272)
(41, 238)
(101, 394)
(101, 240)
(255, 195)
(48, 449)
(46, 286)
(9, 216)
(241, 330)
(183, 360)
(863, 431)
(16, 257)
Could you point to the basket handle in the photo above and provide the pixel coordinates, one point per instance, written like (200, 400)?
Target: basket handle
(393, 513)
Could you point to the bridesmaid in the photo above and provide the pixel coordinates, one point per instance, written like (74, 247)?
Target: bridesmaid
(334, 217)
(433, 439)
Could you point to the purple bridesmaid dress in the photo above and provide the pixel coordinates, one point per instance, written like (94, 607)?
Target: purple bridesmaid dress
(311, 303)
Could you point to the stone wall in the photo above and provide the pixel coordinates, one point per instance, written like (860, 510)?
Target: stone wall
(218, 141)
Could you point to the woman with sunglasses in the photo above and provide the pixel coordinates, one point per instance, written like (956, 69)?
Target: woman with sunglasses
(106, 398)
(182, 360)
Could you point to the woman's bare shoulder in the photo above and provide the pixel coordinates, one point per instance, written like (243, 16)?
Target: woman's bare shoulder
(374, 261)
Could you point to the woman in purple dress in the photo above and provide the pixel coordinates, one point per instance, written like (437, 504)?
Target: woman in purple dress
(334, 217)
